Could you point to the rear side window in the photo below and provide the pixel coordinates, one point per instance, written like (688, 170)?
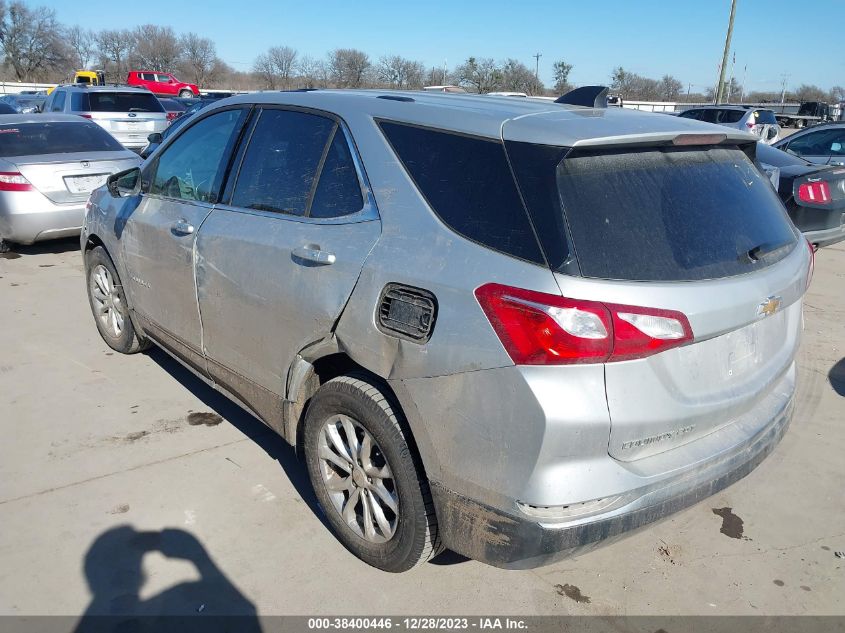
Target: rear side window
(338, 190)
(281, 163)
(467, 182)
(115, 102)
(30, 139)
(671, 214)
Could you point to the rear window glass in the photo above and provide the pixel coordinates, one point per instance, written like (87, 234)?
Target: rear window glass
(114, 102)
(764, 117)
(467, 182)
(338, 190)
(672, 214)
(28, 139)
(281, 161)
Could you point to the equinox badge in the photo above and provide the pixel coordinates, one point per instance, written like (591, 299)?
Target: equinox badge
(768, 307)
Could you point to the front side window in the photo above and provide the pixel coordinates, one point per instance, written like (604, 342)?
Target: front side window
(192, 167)
(820, 143)
(163, 78)
(281, 164)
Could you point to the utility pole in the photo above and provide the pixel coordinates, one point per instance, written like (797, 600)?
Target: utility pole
(445, 61)
(537, 57)
(783, 80)
(720, 88)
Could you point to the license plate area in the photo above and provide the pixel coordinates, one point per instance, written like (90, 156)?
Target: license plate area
(85, 184)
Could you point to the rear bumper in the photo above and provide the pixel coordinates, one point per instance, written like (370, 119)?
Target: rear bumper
(27, 217)
(826, 237)
(514, 541)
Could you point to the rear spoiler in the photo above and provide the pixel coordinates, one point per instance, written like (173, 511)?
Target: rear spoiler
(588, 96)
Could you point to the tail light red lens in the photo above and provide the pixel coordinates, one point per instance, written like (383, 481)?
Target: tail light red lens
(543, 329)
(13, 181)
(172, 116)
(816, 192)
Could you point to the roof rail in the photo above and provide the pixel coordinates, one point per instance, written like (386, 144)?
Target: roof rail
(589, 96)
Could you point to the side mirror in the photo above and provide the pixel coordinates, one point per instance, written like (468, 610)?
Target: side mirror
(125, 184)
(155, 137)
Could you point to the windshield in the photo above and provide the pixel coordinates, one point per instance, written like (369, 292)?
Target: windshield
(29, 139)
(115, 102)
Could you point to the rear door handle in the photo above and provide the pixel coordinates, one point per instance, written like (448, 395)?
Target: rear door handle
(182, 227)
(313, 253)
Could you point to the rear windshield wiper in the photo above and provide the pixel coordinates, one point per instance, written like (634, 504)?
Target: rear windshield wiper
(762, 250)
(138, 110)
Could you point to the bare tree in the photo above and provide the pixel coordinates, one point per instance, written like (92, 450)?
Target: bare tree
(806, 92)
(114, 47)
(155, 47)
(837, 94)
(561, 71)
(400, 73)
(348, 67)
(31, 40)
(199, 55)
(83, 45)
(266, 72)
(670, 88)
(312, 72)
(438, 76)
(283, 60)
(517, 77)
(482, 75)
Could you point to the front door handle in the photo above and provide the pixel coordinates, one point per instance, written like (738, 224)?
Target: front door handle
(313, 253)
(182, 227)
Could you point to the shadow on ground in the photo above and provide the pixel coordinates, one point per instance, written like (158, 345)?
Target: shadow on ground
(247, 424)
(265, 438)
(836, 376)
(115, 576)
(64, 245)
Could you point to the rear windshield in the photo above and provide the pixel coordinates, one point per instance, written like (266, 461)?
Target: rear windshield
(115, 102)
(766, 117)
(714, 115)
(29, 139)
(671, 214)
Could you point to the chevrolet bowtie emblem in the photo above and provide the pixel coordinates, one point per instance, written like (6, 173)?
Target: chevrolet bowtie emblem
(768, 307)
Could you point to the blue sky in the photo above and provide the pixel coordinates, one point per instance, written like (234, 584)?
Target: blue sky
(683, 38)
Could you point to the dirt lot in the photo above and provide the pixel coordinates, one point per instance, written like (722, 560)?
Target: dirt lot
(126, 485)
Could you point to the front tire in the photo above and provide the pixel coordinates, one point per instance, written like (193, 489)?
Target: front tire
(367, 477)
(108, 304)
(186, 94)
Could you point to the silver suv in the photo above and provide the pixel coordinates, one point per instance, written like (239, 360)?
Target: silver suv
(507, 327)
(760, 122)
(128, 114)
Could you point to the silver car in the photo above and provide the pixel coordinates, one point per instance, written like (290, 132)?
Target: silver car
(49, 164)
(128, 114)
(821, 144)
(760, 122)
(507, 327)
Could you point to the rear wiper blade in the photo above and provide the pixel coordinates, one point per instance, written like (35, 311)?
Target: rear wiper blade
(138, 110)
(761, 250)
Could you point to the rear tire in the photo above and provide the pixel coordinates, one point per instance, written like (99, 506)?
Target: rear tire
(108, 304)
(367, 477)
(186, 94)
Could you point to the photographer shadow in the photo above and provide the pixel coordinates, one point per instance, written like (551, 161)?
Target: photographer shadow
(115, 576)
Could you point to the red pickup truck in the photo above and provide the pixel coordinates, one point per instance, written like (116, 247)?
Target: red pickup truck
(161, 84)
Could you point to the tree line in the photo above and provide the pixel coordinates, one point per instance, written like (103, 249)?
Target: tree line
(35, 46)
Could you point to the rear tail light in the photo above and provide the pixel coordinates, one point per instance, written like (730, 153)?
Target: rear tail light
(172, 116)
(817, 192)
(13, 181)
(749, 124)
(543, 329)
